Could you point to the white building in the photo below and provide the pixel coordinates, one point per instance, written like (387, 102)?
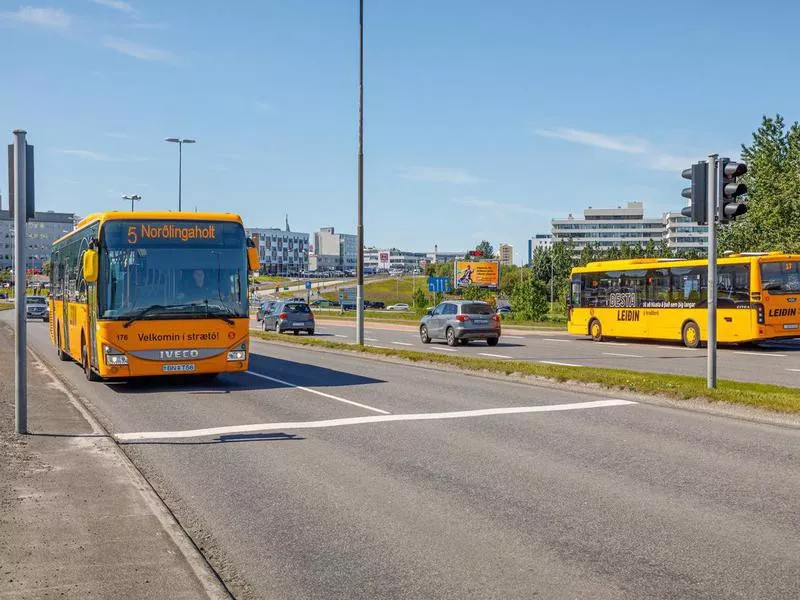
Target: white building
(44, 229)
(605, 228)
(333, 251)
(280, 252)
(684, 234)
(386, 259)
(505, 253)
(540, 240)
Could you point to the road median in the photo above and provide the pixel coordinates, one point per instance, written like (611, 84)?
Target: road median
(676, 387)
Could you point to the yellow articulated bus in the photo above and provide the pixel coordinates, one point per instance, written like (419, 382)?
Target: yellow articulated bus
(152, 293)
(758, 298)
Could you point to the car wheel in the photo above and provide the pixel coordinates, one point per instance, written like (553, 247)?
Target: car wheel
(423, 335)
(296, 331)
(596, 330)
(450, 335)
(310, 331)
(691, 335)
(492, 341)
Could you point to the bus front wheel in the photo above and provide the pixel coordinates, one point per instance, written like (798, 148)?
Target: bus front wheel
(87, 367)
(691, 335)
(596, 330)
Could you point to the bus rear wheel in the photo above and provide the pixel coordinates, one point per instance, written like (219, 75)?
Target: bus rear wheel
(596, 330)
(691, 335)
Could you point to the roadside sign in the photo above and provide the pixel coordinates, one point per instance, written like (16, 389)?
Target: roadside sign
(439, 284)
(308, 285)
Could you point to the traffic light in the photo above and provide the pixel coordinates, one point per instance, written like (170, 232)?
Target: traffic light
(697, 194)
(730, 189)
(475, 253)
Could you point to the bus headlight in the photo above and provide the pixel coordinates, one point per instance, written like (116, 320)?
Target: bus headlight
(235, 355)
(114, 358)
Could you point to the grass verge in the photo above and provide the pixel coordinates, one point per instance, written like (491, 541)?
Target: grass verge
(678, 387)
(6, 305)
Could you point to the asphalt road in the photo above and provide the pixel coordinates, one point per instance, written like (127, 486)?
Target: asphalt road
(777, 363)
(379, 480)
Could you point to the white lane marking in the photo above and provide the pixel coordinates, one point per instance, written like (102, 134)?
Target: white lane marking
(493, 355)
(259, 427)
(514, 337)
(378, 346)
(794, 370)
(402, 344)
(341, 336)
(556, 340)
(443, 349)
(560, 364)
(676, 348)
(370, 340)
(318, 393)
(767, 354)
(615, 344)
(623, 355)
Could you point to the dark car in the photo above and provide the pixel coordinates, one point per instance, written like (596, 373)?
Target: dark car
(289, 316)
(376, 305)
(459, 322)
(323, 303)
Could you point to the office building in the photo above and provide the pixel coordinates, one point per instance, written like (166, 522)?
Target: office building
(280, 252)
(684, 235)
(505, 254)
(41, 231)
(334, 251)
(605, 228)
(540, 240)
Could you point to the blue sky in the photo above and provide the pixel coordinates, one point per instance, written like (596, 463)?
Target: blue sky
(482, 119)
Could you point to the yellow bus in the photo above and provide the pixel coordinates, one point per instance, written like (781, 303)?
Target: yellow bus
(758, 296)
(152, 293)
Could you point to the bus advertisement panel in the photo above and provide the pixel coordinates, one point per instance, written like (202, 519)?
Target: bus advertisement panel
(169, 295)
(757, 298)
(483, 273)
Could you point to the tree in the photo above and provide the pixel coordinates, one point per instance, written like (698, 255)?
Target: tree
(473, 292)
(485, 248)
(529, 300)
(419, 299)
(772, 221)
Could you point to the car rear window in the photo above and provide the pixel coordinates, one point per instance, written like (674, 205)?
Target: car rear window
(297, 308)
(476, 309)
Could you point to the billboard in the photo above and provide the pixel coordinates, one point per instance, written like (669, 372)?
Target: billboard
(483, 273)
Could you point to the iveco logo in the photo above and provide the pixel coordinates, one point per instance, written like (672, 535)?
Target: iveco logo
(178, 354)
(791, 299)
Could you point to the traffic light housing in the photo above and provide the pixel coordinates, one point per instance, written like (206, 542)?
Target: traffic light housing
(730, 189)
(697, 193)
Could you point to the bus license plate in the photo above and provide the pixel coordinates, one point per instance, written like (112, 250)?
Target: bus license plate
(791, 326)
(184, 368)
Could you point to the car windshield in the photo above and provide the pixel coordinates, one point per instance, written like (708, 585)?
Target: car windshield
(35, 300)
(476, 309)
(781, 277)
(199, 266)
(296, 308)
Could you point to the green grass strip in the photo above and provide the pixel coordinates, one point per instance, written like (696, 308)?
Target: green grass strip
(679, 387)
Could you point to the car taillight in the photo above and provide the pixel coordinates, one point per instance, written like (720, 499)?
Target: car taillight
(759, 312)
(462, 318)
(283, 316)
(495, 317)
(310, 316)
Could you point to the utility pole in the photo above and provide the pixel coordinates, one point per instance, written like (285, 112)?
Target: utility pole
(712, 271)
(20, 284)
(360, 282)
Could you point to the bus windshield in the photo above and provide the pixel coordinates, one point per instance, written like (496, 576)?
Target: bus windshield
(780, 277)
(177, 269)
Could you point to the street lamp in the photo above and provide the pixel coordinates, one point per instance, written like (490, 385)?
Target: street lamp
(133, 198)
(180, 143)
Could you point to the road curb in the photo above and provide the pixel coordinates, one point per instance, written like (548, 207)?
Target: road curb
(213, 585)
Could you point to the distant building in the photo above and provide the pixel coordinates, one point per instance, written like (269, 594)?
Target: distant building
(387, 259)
(332, 251)
(281, 252)
(540, 240)
(605, 228)
(44, 229)
(505, 253)
(683, 234)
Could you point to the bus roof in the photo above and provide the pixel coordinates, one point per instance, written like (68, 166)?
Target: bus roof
(155, 215)
(634, 263)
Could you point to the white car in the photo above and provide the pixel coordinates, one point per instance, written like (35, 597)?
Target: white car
(400, 306)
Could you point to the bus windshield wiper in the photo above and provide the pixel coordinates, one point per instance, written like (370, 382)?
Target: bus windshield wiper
(148, 310)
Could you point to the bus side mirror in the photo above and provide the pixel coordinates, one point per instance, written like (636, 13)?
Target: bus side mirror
(90, 266)
(252, 260)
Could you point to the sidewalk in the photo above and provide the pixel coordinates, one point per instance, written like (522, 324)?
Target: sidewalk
(76, 519)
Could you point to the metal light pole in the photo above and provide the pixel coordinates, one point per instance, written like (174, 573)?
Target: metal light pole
(20, 273)
(360, 284)
(180, 143)
(133, 198)
(712, 271)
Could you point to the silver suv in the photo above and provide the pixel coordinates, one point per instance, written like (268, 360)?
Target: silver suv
(37, 307)
(460, 321)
